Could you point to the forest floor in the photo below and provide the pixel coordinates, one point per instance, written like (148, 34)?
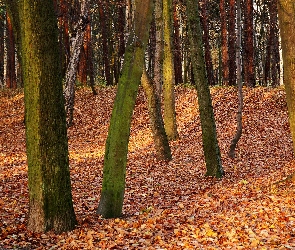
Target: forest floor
(167, 205)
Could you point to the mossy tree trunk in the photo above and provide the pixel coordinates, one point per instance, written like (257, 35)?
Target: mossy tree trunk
(286, 9)
(51, 206)
(168, 74)
(114, 171)
(210, 143)
(154, 106)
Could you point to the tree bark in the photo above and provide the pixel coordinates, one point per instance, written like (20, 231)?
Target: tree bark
(224, 43)
(51, 206)
(71, 73)
(168, 74)
(249, 45)
(2, 50)
(238, 133)
(154, 106)
(209, 136)
(115, 160)
(286, 10)
(232, 43)
(10, 61)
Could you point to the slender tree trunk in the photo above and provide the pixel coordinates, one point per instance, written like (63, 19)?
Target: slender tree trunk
(168, 74)
(158, 70)
(2, 27)
(177, 45)
(238, 134)
(232, 43)
(71, 73)
(224, 43)
(115, 160)
(103, 15)
(51, 206)
(249, 45)
(209, 136)
(206, 36)
(154, 106)
(10, 61)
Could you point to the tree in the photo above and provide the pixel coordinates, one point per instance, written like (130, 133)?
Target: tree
(51, 206)
(232, 43)
(238, 133)
(209, 136)
(154, 106)
(224, 44)
(115, 160)
(168, 74)
(286, 10)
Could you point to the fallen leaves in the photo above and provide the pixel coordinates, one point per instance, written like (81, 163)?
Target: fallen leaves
(167, 205)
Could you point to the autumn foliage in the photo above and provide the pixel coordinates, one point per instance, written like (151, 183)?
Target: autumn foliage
(167, 205)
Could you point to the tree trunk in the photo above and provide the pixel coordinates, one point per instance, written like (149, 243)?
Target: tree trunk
(158, 69)
(238, 134)
(210, 143)
(249, 45)
(103, 15)
(206, 36)
(232, 43)
(168, 75)
(286, 10)
(2, 27)
(51, 206)
(114, 171)
(10, 61)
(154, 106)
(71, 73)
(224, 43)
(177, 45)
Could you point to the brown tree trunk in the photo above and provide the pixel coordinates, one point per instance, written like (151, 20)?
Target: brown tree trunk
(232, 43)
(249, 45)
(10, 61)
(103, 15)
(2, 27)
(176, 45)
(208, 58)
(224, 43)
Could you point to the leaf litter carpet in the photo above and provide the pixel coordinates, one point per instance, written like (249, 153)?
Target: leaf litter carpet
(167, 205)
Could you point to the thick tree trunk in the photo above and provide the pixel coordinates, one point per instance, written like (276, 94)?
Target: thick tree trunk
(154, 106)
(224, 43)
(286, 10)
(51, 206)
(168, 75)
(115, 160)
(210, 143)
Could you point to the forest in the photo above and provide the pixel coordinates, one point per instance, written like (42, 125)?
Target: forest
(157, 124)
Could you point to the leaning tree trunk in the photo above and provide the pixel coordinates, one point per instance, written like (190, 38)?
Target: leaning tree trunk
(210, 143)
(115, 160)
(51, 206)
(71, 73)
(168, 74)
(286, 10)
(232, 43)
(154, 106)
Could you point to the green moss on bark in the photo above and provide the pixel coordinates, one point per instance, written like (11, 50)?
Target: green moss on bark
(51, 206)
(113, 185)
